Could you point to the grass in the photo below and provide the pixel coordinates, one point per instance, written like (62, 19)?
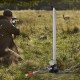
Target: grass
(35, 45)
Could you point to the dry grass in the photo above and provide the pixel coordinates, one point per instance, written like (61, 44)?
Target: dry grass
(35, 44)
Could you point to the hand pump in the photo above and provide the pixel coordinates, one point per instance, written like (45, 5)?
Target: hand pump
(53, 62)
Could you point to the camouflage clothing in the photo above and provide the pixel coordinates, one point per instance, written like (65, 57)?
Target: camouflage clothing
(6, 39)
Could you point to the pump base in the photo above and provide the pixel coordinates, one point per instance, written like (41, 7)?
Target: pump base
(53, 69)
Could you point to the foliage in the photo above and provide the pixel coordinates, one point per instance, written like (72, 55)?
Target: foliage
(41, 2)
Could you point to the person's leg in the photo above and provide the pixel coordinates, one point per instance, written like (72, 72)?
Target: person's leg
(13, 47)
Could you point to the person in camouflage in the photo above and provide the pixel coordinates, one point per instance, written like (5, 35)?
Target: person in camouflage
(7, 29)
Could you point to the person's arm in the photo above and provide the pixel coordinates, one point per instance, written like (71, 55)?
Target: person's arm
(10, 28)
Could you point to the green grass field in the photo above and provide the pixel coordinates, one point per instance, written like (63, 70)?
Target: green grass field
(35, 45)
